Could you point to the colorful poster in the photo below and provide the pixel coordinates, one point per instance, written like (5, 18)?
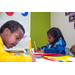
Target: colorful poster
(71, 17)
(24, 13)
(9, 13)
(66, 13)
(74, 24)
(24, 19)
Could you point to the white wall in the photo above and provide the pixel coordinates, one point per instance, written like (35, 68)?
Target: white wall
(58, 19)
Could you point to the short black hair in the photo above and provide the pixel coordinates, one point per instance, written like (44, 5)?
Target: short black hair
(12, 26)
(56, 33)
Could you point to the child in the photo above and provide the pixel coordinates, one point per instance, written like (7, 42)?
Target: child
(56, 42)
(10, 35)
(72, 50)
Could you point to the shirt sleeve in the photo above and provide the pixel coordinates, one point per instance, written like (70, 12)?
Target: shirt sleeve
(11, 57)
(57, 49)
(41, 47)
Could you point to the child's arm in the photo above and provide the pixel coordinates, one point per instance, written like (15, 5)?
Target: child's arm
(57, 49)
(73, 49)
(11, 57)
(39, 49)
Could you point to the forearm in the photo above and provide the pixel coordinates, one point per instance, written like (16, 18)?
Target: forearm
(11, 57)
(50, 50)
(72, 51)
(57, 49)
(41, 47)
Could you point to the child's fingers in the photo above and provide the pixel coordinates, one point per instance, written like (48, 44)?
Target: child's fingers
(33, 58)
(35, 49)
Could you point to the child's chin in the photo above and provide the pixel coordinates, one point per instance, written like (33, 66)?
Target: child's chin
(8, 47)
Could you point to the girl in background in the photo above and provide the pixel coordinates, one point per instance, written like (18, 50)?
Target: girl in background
(56, 42)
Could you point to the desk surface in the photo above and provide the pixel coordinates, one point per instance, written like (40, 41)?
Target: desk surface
(44, 60)
(37, 59)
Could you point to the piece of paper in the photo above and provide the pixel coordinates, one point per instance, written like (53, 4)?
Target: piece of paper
(64, 58)
(42, 60)
(72, 59)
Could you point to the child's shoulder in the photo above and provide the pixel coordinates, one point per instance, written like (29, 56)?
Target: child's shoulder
(60, 41)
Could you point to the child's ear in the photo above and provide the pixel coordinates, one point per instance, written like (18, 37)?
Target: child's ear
(7, 31)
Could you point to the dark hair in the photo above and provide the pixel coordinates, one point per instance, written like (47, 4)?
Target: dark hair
(56, 33)
(12, 25)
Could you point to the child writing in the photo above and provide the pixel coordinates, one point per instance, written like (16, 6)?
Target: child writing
(10, 34)
(56, 42)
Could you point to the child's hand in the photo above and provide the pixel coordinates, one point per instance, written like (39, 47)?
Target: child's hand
(36, 49)
(73, 48)
(33, 57)
(40, 51)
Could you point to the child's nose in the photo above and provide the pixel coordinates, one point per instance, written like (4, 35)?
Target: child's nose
(48, 39)
(17, 41)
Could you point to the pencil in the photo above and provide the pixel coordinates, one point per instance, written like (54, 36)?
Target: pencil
(15, 51)
(0, 12)
(35, 44)
(30, 45)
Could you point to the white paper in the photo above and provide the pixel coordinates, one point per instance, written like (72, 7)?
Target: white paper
(42, 60)
(72, 59)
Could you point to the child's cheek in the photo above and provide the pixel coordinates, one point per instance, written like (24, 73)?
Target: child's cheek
(12, 40)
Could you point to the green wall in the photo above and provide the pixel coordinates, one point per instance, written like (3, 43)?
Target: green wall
(40, 24)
